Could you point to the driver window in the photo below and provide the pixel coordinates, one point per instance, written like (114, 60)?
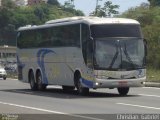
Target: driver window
(87, 46)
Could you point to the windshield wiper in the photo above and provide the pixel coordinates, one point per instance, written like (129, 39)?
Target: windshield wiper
(128, 57)
(114, 58)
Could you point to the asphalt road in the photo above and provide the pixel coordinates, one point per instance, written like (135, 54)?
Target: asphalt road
(16, 98)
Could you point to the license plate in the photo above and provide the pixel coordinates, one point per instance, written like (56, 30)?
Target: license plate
(123, 83)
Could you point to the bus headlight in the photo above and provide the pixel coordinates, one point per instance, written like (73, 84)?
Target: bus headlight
(141, 73)
(96, 83)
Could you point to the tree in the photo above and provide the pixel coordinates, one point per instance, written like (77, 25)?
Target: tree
(69, 7)
(42, 12)
(106, 11)
(53, 2)
(12, 17)
(69, 4)
(8, 4)
(154, 3)
(6, 13)
(141, 13)
(109, 9)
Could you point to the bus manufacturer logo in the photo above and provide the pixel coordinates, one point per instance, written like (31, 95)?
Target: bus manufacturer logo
(123, 76)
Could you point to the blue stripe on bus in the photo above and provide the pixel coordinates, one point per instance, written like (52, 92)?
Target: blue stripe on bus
(20, 64)
(40, 60)
(87, 83)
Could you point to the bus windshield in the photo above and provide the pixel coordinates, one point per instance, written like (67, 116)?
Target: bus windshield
(116, 30)
(118, 47)
(119, 53)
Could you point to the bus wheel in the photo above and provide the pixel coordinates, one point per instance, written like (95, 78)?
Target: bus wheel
(4, 78)
(81, 90)
(40, 85)
(68, 88)
(32, 81)
(123, 91)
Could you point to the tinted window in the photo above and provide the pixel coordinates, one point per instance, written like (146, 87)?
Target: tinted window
(71, 35)
(116, 30)
(87, 46)
(26, 39)
(85, 37)
(68, 35)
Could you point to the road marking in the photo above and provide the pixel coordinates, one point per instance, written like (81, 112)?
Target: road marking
(149, 95)
(49, 111)
(151, 88)
(141, 106)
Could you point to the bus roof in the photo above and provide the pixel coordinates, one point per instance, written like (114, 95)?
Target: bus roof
(93, 20)
(87, 20)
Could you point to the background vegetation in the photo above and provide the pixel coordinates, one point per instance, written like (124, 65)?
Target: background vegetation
(13, 16)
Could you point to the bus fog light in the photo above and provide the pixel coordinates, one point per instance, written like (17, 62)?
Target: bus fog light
(96, 83)
(143, 83)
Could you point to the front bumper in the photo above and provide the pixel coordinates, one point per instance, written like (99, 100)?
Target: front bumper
(3, 75)
(115, 83)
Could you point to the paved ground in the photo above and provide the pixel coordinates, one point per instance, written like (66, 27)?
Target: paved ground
(17, 98)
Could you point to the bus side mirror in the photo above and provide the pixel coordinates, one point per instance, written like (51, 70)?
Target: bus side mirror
(145, 46)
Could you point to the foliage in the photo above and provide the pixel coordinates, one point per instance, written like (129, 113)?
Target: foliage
(153, 75)
(53, 2)
(6, 14)
(69, 7)
(12, 16)
(106, 11)
(149, 17)
(154, 3)
(69, 4)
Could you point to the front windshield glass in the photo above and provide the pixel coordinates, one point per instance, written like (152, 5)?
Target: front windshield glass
(116, 30)
(119, 53)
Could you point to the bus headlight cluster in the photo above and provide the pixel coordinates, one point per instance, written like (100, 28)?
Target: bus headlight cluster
(141, 74)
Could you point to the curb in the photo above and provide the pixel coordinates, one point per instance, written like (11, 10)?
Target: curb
(12, 78)
(152, 84)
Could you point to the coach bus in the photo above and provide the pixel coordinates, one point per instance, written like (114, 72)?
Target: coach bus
(82, 53)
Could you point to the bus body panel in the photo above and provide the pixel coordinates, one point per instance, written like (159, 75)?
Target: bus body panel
(58, 66)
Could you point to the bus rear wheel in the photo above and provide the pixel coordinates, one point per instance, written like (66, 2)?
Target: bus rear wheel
(123, 91)
(40, 84)
(32, 82)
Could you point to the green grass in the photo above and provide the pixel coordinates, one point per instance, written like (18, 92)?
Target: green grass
(12, 75)
(153, 75)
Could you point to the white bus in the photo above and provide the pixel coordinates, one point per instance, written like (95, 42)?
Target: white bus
(83, 53)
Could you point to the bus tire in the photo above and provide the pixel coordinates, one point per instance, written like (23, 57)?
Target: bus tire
(81, 89)
(68, 88)
(40, 84)
(123, 91)
(4, 78)
(32, 82)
